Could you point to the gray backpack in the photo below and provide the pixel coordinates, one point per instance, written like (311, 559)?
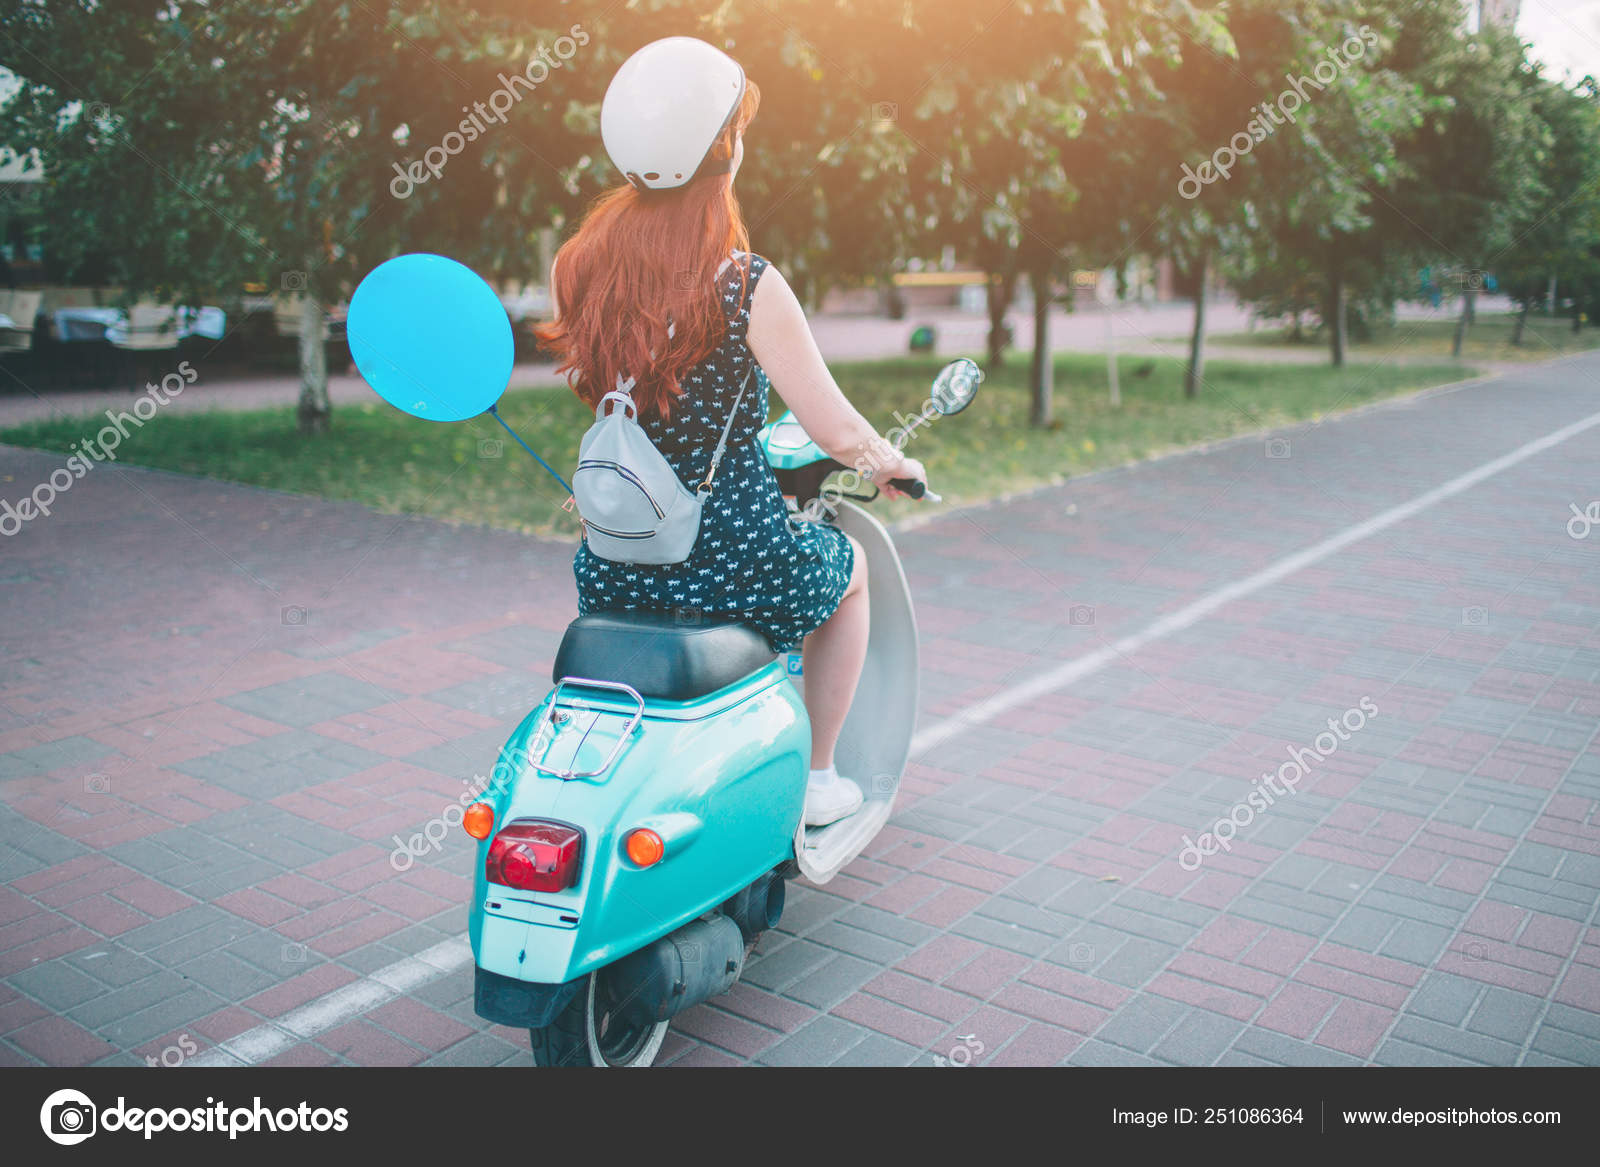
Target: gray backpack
(633, 506)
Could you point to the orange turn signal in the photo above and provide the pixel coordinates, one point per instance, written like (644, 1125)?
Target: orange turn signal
(645, 847)
(478, 819)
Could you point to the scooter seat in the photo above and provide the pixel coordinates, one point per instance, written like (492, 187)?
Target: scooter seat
(662, 655)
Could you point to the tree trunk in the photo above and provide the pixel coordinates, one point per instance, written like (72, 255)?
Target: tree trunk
(1336, 323)
(1002, 287)
(1299, 330)
(1196, 370)
(314, 412)
(1522, 322)
(1465, 319)
(1111, 354)
(894, 300)
(1043, 366)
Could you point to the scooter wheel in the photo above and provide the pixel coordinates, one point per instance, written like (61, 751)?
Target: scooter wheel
(591, 1032)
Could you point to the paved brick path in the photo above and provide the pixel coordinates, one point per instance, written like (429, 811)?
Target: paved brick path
(218, 704)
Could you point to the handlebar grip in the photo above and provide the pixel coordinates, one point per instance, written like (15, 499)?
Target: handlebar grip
(912, 486)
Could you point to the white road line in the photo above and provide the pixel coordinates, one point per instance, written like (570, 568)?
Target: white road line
(333, 1009)
(1079, 667)
(257, 1045)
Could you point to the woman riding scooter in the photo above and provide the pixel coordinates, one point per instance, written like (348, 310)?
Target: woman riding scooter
(658, 293)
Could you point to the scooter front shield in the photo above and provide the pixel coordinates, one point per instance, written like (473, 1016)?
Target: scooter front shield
(876, 740)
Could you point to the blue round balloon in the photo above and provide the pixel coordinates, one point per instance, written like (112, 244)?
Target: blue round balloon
(430, 337)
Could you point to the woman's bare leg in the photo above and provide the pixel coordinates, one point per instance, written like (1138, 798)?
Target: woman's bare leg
(833, 655)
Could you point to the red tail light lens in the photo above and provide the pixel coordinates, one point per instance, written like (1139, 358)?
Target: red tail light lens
(535, 856)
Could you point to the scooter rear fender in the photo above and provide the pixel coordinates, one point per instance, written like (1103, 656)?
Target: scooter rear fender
(721, 779)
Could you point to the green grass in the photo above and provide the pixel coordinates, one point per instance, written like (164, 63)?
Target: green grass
(385, 459)
(1489, 338)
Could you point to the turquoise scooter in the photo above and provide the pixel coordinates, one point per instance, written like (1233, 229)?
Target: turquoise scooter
(651, 808)
(642, 821)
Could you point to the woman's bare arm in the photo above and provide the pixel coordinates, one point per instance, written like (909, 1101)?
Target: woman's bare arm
(781, 340)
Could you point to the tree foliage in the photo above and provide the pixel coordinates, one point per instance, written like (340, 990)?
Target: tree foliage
(192, 147)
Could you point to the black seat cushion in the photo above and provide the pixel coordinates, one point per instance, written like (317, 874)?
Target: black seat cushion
(662, 655)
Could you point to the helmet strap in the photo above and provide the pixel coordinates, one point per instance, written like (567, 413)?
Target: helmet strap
(713, 166)
(707, 169)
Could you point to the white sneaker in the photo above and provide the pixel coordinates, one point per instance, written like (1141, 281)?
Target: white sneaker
(830, 798)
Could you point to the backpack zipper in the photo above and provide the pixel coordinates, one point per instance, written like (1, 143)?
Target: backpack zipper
(618, 534)
(630, 476)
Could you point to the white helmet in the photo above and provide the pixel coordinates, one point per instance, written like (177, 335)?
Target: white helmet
(665, 108)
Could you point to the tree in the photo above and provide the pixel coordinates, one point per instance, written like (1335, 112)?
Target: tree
(1212, 96)
(294, 144)
(1557, 236)
(1033, 162)
(1315, 187)
(1470, 173)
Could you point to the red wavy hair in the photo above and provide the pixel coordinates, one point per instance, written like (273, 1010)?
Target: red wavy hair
(638, 260)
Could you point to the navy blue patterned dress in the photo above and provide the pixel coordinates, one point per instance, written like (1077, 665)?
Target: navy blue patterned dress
(751, 563)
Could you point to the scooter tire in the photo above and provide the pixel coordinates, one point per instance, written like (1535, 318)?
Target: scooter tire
(571, 1039)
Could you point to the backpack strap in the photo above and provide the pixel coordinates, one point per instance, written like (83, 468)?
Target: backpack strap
(722, 443)
(623, 398)
(623, 394)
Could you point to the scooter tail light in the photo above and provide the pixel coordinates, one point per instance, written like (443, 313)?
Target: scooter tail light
(645, 847)
(478, 820)
(534, 855)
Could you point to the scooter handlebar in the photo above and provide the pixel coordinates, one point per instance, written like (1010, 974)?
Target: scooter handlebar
(915, 488)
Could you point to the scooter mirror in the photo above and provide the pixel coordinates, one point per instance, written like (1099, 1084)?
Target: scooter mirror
(956, 386)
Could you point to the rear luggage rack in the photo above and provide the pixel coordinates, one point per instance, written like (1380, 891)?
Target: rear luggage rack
(548, 721)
